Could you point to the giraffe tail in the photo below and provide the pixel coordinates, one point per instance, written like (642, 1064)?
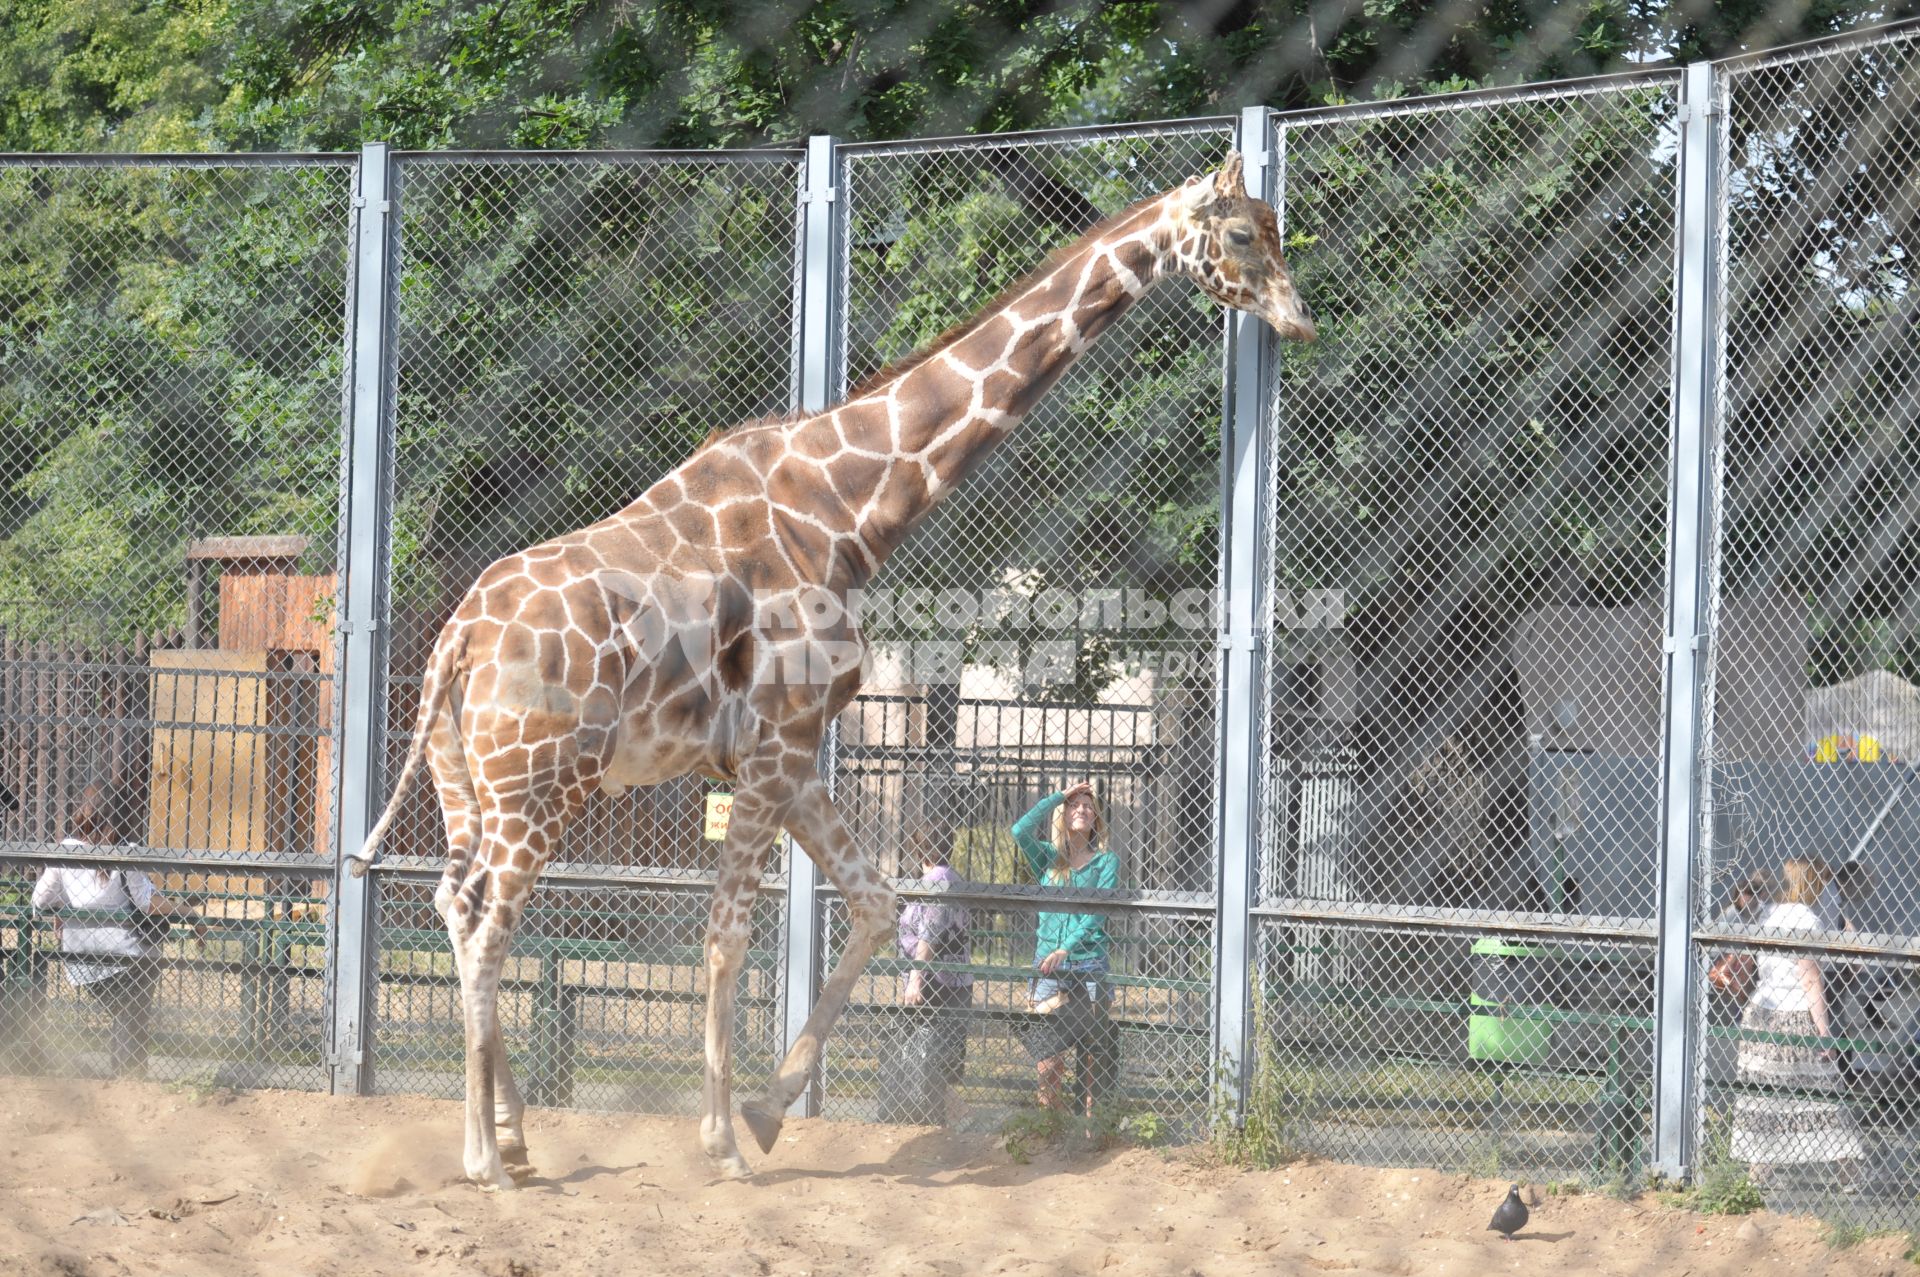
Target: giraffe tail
(439, 682)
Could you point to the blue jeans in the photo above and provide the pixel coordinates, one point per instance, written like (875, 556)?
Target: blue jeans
(1090, 974)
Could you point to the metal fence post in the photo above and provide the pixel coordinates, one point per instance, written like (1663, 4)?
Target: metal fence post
(820, 377)
(1685, 638)
(1242, 615)
(360, 686)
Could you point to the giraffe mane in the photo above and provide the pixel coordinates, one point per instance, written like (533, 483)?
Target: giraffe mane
(1006, 297)
(718, 433)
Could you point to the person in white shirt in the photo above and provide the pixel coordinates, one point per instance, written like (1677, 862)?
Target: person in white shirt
(1788, 1124)
(108, 959)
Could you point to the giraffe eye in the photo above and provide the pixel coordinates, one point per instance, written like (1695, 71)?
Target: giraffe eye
(1239, 236)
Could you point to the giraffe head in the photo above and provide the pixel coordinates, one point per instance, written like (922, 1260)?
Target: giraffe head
(1229, 244)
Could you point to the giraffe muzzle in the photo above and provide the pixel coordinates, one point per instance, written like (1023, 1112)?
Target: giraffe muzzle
(1295, 323)
(1288, 314)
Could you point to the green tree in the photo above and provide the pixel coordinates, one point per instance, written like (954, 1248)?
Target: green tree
(220, 75)
(171, 334)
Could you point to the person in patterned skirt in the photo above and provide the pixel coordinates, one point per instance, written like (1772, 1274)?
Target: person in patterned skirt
(1791, 1122)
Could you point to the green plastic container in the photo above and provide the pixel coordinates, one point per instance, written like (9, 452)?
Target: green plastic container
(1507, 974)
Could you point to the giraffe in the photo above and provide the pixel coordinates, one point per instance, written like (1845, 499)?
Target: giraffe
(704, 629)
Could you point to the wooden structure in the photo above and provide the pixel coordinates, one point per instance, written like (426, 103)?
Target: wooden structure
(242, 761)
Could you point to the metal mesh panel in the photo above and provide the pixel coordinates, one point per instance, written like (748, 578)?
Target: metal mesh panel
(1820, 1122)
(569, 329)
(1815, 716)
(1469, 479)
(1034, 633)
(1500, 1055)
(602, 997)
(1814, 710)
(967, 1054)
(171, 344)
(1052, 621)
(170, 350)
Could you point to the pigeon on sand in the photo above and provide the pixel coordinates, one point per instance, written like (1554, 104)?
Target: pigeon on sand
(1510, 1216)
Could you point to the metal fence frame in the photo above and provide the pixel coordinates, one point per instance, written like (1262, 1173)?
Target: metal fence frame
(1242, 757)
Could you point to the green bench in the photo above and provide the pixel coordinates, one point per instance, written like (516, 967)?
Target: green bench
(267, 954)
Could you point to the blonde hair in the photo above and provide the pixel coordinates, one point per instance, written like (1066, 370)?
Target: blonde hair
(1802, 881)
(1059, 871)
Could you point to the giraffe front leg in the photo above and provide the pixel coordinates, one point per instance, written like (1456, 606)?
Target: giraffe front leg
(509, 1111)
(751, 828)
(815, 823)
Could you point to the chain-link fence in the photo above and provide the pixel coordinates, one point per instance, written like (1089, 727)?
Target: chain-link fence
(1390, 660)
(1481, 577)
(1470, 493)
(567, 330)
(1810, 1030)
(1027, 640)
(172, 341)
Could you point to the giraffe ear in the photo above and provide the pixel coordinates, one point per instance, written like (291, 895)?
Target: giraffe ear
(1195, 193)
(1231, 179)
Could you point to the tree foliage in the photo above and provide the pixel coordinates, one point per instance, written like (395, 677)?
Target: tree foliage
(299, 74)
(1480, 431)
(171, 335)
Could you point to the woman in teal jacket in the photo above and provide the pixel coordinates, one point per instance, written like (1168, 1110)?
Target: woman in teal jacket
(1070, 951)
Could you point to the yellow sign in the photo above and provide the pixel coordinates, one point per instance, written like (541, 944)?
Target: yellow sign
(719, 807)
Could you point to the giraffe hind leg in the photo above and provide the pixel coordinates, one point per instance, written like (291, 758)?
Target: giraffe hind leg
(459, 809)
(483, 952)
(509, 1108)
(480, 926)
(460, 899)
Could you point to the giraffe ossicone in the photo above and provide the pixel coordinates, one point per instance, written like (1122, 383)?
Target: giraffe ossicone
(686, 634)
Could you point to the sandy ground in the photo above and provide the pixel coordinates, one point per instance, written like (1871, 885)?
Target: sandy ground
(112, 1178)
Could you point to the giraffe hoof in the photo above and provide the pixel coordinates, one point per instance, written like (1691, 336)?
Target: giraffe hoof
(492, 1179)
(735, 1167)
(512, 1155)
(763, 1122)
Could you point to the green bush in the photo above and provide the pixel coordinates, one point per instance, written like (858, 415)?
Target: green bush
(1268, 1133)
(1845, 1234)
(1723, 1188)
(1030, 1130)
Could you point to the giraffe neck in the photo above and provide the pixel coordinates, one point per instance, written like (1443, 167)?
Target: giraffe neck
(931, 425)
